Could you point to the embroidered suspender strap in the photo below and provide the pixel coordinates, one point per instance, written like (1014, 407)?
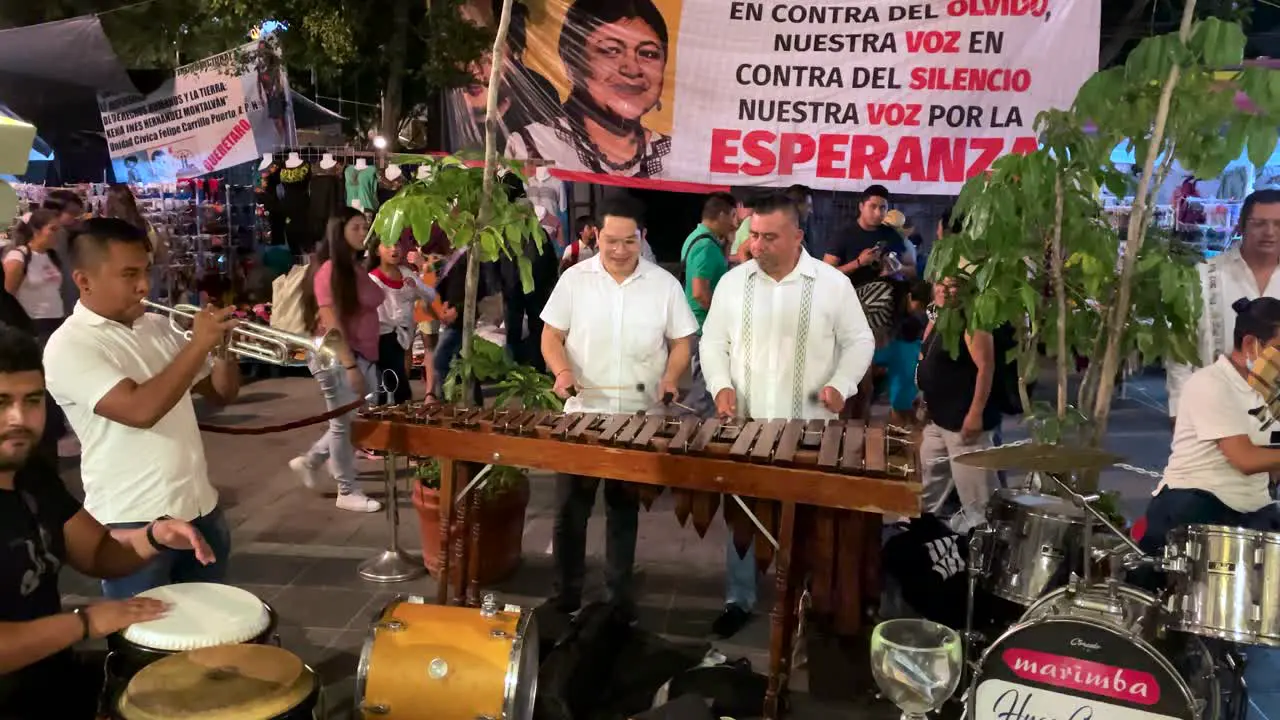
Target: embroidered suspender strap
(1217, 331)
(802, 348)
(748, 341)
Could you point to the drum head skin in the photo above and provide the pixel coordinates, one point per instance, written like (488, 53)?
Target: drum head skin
(1077, 668)
(231, 682)
(201, 615)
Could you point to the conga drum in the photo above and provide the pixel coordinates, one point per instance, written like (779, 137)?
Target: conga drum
(228, 682)
(200, 615)
(435, 662)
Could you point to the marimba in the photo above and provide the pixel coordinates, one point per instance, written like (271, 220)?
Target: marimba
(776, 468)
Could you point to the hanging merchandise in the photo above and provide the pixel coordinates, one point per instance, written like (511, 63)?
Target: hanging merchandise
(297, 201)
(389, 183)
(328, 196)
(546, 191)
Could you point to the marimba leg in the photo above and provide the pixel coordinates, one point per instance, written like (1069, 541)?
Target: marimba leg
(783, 617)
(472, 581)
(448, 487)
(461, 541)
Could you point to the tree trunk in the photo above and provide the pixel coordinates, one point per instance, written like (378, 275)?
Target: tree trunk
(490, 175)
(393, 94)
(1060, 295)
(1118, 314)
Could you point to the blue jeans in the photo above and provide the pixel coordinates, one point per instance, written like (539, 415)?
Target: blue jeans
(335, 445)
(177, 566)
(740, 575)
(447, 348)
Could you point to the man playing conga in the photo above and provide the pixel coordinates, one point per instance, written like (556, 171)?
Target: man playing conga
(618, 337)
(124, 378)
(43, 528)
(785, 338)
(1218, 469)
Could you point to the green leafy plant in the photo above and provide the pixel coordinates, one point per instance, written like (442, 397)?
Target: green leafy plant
(1037, 250)
(518, 385)
(501, 479)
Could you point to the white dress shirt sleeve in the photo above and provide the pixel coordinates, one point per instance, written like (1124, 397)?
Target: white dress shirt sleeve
(558, 312)
(680, 320)
(78, 372)
(716, 344)
(855, 343)
(1177, 374)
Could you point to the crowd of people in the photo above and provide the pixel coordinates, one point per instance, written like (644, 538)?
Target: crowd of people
(785, 326)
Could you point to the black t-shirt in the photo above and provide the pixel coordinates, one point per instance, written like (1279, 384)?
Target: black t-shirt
(32, 550)
(853, 239)
(947, 383)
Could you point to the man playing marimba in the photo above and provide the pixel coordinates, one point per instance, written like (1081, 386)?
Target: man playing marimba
(618, 337)
(785, 338)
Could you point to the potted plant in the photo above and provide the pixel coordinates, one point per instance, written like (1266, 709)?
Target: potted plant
(504, 493)
(1037, 249)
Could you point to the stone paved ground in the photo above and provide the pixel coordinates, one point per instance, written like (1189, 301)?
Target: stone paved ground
(298, 552)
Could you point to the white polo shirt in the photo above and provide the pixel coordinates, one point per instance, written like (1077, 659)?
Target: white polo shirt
(617, 333)
(1216, 402)
(129, 474)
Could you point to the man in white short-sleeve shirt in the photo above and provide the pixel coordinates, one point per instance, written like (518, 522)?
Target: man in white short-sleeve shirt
(1219, 469)
(124, 378)
(618, 337)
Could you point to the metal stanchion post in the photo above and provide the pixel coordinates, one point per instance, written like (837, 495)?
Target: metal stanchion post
(393, 564)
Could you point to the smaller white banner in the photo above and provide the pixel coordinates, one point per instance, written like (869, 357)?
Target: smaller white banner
(1001, 700)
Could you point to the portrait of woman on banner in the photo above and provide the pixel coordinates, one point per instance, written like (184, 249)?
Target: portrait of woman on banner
(525, 95)
(614, 54)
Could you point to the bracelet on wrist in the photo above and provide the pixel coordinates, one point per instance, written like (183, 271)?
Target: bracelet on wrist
(151, 533)
(83, 615)
(349, 367)
(562, 372)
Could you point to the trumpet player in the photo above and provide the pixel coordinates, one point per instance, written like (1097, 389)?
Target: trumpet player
(124, 378)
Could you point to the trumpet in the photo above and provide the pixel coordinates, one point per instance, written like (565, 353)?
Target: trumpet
(256, 341)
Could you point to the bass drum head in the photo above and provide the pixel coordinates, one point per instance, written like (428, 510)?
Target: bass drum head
(1124, 606)
(520, 687)
(1078, 667)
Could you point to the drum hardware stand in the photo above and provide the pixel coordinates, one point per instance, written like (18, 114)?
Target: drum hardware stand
(977, 540)
(1134, 559)
(1235, 661)
(393, 564)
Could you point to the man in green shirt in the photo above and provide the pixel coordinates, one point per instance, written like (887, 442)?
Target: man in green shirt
(704, 261)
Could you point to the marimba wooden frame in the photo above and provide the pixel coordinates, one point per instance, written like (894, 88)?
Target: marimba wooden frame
(461, 449)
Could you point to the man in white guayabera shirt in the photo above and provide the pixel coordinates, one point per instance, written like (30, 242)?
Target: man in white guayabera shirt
(1245, 271)
(785, 338)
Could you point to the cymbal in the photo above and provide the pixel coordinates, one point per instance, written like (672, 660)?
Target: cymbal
(219, 683)
(1040, 457)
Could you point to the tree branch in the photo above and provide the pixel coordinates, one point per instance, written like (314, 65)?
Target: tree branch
(1059, 293)
(486, 202)
(1118, 313)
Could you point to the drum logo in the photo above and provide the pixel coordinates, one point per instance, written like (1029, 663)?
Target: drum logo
(1221, 568)
(1070, 673)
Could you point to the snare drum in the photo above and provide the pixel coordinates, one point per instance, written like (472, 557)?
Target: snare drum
(1226, 583)
(1083, 667)
(200, 615)
(434, 662)
(1035, 544)
(229, 682)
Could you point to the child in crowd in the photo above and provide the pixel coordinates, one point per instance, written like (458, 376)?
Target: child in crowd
(900, 355)
(397, 326)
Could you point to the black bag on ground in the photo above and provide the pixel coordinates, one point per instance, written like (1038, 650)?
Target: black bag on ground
(581, 664)
(927, 561)
(733, 689)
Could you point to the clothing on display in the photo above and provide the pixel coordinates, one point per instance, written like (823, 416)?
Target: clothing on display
(362, 187)
(547, 192)
(328, 196)
(387, 189)
(296, 204)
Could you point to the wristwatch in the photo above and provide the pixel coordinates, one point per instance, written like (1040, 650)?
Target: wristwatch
(151, 535)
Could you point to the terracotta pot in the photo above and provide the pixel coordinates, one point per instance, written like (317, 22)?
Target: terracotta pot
(501, 537)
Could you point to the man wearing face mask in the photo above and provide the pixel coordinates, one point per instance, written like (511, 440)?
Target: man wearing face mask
(614, 321)
(1218, 469)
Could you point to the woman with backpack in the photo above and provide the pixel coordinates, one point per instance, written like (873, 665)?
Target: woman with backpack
(33, 272)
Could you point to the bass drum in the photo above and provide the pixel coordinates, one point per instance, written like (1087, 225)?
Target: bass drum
(1137, 612)
(1079, 667)
(435, 662)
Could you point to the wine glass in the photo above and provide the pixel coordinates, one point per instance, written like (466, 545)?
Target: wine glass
(916, 664)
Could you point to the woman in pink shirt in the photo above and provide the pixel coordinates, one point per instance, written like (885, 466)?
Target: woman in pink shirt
(341, 296)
